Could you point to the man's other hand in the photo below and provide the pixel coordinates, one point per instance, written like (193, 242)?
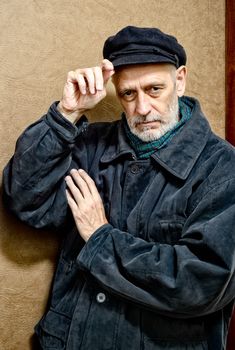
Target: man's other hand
(85, 203)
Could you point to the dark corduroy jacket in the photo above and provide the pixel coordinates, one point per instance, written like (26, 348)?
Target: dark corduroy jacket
(160, 275)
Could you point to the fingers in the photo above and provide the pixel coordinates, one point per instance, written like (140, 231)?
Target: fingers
(107, 69)
(71, 202)
(91, 80)
(82, 186)
(84, 78)
(74, 190)
(90, 184)
(106, 64)
(99, 81)
(85, 203)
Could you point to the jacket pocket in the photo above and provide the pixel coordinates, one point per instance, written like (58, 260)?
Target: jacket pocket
(162, 333)
(156, 344)
(171, 231)
(52, 331)
(166, 232)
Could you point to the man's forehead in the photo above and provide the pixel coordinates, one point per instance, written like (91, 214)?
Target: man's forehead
(157, 72)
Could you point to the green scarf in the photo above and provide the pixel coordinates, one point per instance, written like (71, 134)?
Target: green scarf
(143, 149)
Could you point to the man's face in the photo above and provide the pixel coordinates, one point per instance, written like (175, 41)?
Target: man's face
(149, 96)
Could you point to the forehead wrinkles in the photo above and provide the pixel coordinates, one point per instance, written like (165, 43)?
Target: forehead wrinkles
(131, 77)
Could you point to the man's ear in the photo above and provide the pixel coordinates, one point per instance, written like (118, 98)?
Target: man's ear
(181, 74)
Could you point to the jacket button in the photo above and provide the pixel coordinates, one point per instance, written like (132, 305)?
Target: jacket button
(100, 297)
(135, 169)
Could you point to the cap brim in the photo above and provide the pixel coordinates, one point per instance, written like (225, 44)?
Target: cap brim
(139, 59)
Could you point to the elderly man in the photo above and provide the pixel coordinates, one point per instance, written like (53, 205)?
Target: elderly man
(145, 203)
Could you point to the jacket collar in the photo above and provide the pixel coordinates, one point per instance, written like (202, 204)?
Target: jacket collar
(179, 156)
(119, 147)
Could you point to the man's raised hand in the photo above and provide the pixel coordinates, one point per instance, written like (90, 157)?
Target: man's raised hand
(83, 89)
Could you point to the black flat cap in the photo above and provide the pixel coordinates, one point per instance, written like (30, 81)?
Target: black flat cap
(134, 45)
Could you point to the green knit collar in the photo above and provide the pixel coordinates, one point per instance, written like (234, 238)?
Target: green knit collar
(143, 149)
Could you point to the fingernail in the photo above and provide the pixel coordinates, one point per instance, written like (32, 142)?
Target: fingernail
(99, 87)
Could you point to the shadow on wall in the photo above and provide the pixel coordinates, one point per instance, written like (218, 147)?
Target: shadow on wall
(108, 109)
(25, 245)
(27, 263)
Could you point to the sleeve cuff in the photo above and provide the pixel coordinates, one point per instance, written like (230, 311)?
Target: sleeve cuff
(92, 246)
(63, 127)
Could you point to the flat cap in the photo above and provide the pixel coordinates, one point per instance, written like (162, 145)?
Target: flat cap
(135, 45)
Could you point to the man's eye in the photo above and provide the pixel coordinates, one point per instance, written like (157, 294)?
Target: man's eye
(154, 90)
(128, 95)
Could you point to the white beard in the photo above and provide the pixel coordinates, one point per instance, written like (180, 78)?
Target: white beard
(167, 123)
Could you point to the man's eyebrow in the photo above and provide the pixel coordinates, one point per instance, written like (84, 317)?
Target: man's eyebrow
(123, 88)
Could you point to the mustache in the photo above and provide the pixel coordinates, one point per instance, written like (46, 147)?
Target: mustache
(145, 119)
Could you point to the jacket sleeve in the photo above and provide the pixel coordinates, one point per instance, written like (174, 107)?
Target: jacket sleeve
(33, 180)
(194, 277)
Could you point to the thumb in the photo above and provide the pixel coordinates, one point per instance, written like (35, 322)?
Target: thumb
(107, 70)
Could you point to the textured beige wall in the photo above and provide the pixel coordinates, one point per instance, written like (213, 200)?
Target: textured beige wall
(40, 41)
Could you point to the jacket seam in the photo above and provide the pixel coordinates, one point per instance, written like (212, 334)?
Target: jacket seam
(210, 188)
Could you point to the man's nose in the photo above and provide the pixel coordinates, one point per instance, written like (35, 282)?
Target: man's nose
(143, 105)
